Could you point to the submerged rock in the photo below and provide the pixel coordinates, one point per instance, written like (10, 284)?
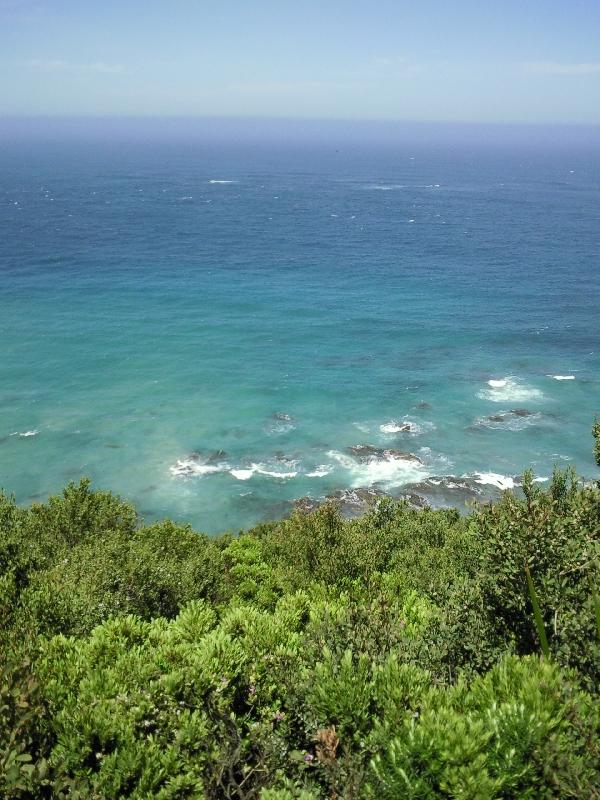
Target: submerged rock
(279, 422)
(516, 419)
(279, 415)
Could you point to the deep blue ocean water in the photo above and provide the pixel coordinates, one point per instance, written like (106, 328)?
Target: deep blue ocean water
(207, 329)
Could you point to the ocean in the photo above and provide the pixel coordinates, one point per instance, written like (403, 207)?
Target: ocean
(215, 330)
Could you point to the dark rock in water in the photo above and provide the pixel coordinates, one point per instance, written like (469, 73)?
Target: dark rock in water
(190, 465)
(414, 500)
(216, 456)
(207, 458)
(401, 456)
(364, 451)
(368, 452)
(506, 416)
(306, 505)
(285, 458)
(450, 491)
(395, 427)
(423, 406)
(113, 446)
(355, 501)
(351, 502)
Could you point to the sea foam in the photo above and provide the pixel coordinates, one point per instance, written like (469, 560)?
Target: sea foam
(245, 473)
(393, 426)
(241, 474)
(321, 471)
(280, 423)
(186, 467)
(502, 482)
(386, 187)
(509, 390)
(388, 471)
(514, 420)
(406, 425)
(25, 434)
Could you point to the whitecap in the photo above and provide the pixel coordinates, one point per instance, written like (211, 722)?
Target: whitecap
(406, 425)
(563, 377)
(221, 182)
(386, 187)
(320, 471)
(241, 474)
(502, 482)
(283, 469)
(388, 471)
(269, 473)
(199, 465)
(362, 427)
(395, 427)
(186, 467)
(280, 423)
(25, 434)
(509, 390)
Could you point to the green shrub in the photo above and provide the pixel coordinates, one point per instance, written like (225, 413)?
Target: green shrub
(394, 655)
(520, 731)
(23, 743)
(557, 534)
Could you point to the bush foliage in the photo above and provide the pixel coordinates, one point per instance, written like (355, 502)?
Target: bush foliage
(392, 656)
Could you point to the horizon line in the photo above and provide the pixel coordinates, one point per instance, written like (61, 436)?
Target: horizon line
(290, 119)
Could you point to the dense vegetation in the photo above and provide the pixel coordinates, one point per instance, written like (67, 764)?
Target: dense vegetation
(406, 654)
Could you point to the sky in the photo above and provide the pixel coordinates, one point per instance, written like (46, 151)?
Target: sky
(515, 61)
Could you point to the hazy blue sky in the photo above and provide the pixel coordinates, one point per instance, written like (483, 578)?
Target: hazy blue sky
(468, 60)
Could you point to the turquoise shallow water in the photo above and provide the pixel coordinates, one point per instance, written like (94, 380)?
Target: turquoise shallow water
(207, 329)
